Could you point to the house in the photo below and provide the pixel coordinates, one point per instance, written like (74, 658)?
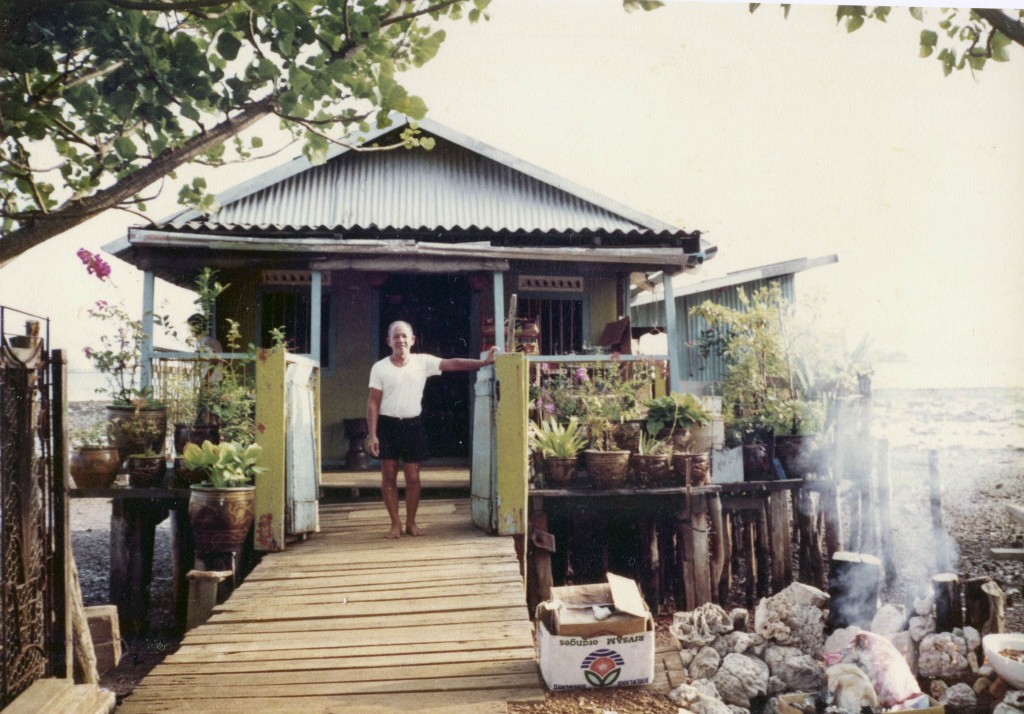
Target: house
(648, 311)
(442, 239)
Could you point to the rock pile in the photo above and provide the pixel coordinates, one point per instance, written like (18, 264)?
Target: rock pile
(732, 667)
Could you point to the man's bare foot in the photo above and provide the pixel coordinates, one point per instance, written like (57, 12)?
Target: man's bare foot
(394, 534)
(414, 530)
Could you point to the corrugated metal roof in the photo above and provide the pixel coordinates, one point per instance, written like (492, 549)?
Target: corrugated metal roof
(446, 188)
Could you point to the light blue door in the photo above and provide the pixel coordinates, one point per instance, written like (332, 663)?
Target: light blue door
(483, 470)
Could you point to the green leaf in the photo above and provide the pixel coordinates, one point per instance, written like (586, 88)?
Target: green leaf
(752, 7)
(999, 44)
(228, 45)
(428, 142)
(125, 147)
(854, 23)
(917, 13)
(929, 38)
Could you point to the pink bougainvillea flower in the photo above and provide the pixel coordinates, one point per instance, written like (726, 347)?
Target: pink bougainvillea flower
(94, 264)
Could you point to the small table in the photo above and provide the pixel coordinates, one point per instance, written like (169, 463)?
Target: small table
(689, 506)
(135, 514)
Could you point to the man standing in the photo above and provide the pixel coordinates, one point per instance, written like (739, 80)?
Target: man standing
(393, 417)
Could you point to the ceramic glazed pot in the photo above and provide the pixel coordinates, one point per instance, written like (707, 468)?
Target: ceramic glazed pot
(146, 471)
(698, 466)
(650, 470)
(95, 467)
(606, 469)
(559, 471)
(757, 463)
(118, 415)
(183, 477)
(185, 434)
(220, 517)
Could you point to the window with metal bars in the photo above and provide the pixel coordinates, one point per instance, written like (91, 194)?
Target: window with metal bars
(290, 308)
(560, 320)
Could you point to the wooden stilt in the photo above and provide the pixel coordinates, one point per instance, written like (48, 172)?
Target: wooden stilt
(948, 603)
(650, 565)
(781, 544)
(935, 499)
(717, 546)
(764, 553)
(539, 577)
(985, 604)
(725, 580)
(81, 639)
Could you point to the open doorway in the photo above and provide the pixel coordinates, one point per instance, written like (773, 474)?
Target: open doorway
(438, 308)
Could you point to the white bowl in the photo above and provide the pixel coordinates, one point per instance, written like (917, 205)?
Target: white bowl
(1008, 669)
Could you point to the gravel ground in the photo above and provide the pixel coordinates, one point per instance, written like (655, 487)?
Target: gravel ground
(977, 484)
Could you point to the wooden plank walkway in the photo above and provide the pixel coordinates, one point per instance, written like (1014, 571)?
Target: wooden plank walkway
(351, 622)
(432, 477)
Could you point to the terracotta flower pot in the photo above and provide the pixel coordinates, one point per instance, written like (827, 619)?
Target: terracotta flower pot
(95, 467)
(650, 470)
(606, 469)
(560, 471)
(220, 517)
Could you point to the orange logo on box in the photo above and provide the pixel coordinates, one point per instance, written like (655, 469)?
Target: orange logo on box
(602, 667)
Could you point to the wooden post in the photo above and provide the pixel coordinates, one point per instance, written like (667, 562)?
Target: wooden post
(753, 569)
(781, 541)
(764, 549)
(539, 577)
(203, 594)
(694, 558)
(649, 560)
(948, 603)
(132, 526)
(717, 546)
(935, 499)
(832, 517)
(812, 565)
(985, 604)
(84, 655)
(885, 514)
(183, 552)
(853, 589)
(725, 581)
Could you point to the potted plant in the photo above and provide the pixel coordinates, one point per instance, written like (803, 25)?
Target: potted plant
(94, 460)
(559, 444)
(796, 425)
(607, 464)
(671, 416)
(650, 465)
(141, 428)
(146, 469)
(119, 360)
(221, 508)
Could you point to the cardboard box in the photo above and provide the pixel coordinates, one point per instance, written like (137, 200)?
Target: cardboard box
(579, 651)
(801, 703)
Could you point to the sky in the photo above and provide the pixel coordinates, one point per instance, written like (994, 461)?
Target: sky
(776, 138)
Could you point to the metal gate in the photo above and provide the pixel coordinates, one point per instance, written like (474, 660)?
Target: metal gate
(33, 509)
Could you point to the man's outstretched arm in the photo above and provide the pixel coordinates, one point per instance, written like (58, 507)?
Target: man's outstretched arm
(464, 364)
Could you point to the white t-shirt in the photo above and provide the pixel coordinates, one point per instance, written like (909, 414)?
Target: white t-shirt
(403, 386)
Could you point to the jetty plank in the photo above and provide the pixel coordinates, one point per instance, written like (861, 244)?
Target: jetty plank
(349, 621)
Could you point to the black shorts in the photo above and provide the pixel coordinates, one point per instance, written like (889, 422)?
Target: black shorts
(402, 439)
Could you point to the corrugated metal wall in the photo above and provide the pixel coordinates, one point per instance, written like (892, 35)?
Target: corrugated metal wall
(688, 327)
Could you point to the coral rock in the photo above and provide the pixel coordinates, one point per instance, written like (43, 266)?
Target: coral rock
(705, 663)
(888, 620)
(741, 677)
(942, 655)
(959, 695)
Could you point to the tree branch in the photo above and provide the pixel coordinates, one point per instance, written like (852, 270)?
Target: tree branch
(424, 11)
(1012, 28)
(38, 228)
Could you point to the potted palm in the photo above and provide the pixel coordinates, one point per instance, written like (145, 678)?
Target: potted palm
(94, 460)
(221, 508)
(559, 445)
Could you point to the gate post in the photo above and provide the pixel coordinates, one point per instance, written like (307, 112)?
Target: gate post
(512, 373)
